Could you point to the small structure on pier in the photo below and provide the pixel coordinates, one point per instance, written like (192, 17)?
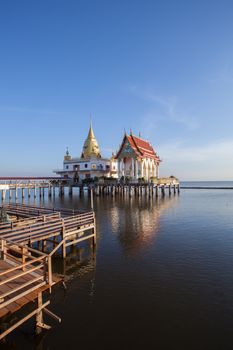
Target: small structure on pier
(137, 159)
(90, 164)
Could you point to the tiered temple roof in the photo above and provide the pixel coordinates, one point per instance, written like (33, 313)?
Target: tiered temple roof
(142, 148)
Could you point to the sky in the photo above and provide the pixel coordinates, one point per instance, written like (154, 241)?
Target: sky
(163, 68)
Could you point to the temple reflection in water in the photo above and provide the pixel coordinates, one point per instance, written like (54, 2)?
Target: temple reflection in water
(136, 222)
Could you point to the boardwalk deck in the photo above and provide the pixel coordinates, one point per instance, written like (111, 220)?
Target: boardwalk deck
(24, 275)
(26, 211)
(54, 226)
(26, 272)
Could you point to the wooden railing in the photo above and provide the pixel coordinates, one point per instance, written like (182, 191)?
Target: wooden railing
(31, 210)
(28, 221)
(25, 271)
(43, 229)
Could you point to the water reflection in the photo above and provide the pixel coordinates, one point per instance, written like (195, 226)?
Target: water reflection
(134, 222)
(79, 261)
(182, 287)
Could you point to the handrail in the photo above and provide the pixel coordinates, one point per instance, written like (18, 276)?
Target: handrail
(28, 248)
(24, 268)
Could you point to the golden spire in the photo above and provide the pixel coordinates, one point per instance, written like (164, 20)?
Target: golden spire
(91, 147)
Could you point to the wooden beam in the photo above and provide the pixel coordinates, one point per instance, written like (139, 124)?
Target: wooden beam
(17, 324)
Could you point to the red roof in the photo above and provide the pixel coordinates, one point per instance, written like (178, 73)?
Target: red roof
(142, 148)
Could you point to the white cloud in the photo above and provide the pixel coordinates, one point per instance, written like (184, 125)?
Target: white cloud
(212, 161)
(164, 109)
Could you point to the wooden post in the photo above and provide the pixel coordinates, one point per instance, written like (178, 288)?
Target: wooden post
(149, 188)
(23, 251)
(3, 195)
(92, 203)
(43, 245)
(50, 272)
(16, 193)
(3, 247)
(64, 239)
(163, 190)
(39, 315)
(29, 194)
(70, 191)
(94, 231)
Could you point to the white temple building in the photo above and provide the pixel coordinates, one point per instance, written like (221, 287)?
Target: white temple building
(137, 159)
(90, 164)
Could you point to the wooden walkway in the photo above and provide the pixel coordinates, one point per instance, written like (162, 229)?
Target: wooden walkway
(48, 228)
(24, 275)
(25, 211)
(26, 272)
(15, 188)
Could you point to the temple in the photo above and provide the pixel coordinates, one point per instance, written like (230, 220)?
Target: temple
(137, 159)
(90, 164)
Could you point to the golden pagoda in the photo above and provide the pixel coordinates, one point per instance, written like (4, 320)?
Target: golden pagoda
(91, 147)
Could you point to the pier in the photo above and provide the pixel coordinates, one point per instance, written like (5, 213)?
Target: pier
(14, 188)
(25, 274)
(28, 244)
(44, 226)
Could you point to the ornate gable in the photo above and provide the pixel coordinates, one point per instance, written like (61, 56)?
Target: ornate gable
(126, 150)
(133, 146)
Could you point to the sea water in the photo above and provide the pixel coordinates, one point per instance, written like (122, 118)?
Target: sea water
(161, 277)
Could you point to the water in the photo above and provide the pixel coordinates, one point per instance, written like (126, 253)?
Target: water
(213, 184)
(162, 277)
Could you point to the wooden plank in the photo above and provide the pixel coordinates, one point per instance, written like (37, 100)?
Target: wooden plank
(79, 240)
(28, 291)
(18, 267)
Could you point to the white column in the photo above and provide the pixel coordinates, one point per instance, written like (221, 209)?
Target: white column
(151, 164)
(119, 168)
(154, 169)
(132, 171)
(147, 175)
(136, 169)
(142, 165)
(157, 169)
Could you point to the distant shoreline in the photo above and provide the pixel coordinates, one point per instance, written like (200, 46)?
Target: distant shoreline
(206, 188)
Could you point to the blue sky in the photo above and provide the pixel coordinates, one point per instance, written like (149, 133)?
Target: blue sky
(163, 68)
